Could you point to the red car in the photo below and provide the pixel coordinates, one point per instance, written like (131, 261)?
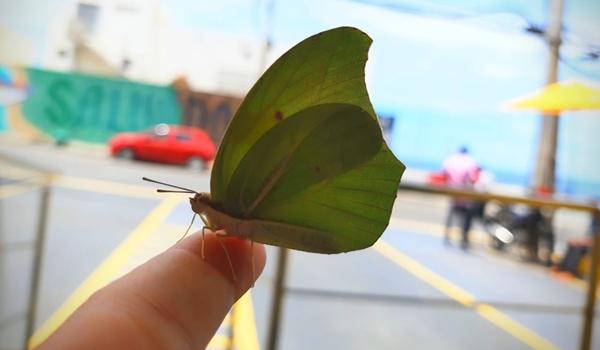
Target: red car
(174, 144)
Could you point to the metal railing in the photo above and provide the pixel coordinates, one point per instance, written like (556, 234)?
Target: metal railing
(17, 178)
(280, 290)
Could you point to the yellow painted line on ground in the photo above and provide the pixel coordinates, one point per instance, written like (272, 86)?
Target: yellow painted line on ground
(227, 320)
(108, 270)
(244, 325)
(219, 342)
(108, 187)
(24, 183)
(85, 184)
(514, 328)
(14, 172)
(478, 236)
(488, 312)
(424, 274)
(436, 230)
(13, 190)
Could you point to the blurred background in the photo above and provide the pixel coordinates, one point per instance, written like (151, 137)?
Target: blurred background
(504, 95)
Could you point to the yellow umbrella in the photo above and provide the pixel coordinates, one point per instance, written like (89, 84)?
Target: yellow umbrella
(561, 96)
(551, 101)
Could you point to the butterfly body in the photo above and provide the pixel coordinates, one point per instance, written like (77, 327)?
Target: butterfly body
(218, 220)
(292, 236)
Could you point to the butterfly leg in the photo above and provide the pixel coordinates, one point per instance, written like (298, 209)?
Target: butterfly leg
(188, 229)
(205, 227)
(221, 233)
(220, 239)
(202, 254)
(252, 262)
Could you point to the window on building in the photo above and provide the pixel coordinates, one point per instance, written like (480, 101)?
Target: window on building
(88, 15)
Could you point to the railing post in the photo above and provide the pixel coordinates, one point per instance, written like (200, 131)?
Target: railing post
(590, 305)
(38, 252)
(278, 294)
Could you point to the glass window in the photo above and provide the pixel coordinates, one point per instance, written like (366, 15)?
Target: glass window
(183, 137)
(88, 15)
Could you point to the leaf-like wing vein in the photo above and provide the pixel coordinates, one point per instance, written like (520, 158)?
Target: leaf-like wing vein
(319, 98)
(366, 204)
(281, 92)
(278, 173)
(344, 211)
(281, 168)
(389, 195)
(325, 73)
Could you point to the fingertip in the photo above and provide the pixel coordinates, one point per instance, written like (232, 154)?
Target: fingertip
(240, 261)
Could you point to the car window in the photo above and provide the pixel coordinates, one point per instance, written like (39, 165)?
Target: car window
(183, 137)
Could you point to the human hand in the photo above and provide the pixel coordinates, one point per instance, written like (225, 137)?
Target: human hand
(177, 300)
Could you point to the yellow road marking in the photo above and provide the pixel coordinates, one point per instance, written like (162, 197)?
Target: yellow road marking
(460, 295)
(14, 172)
(24, 184)
(433, 229)
(219, 342)
(13, 190)
(227, 320)
(424, 274)
(85, 184)
(108, 187)
(107, 270)
(514, 328)
(244, 325)
(479, 236)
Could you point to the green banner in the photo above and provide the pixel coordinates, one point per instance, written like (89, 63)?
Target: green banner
(92, 108)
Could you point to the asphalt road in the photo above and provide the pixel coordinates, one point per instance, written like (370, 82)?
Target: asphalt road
(409, 291)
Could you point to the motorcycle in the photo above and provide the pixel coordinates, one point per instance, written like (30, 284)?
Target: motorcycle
(528, 230)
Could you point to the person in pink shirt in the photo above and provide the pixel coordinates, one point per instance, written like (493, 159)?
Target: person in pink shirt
(460, 171)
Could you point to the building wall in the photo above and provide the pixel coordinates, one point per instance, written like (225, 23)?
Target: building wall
(136, 39)
(210, 112)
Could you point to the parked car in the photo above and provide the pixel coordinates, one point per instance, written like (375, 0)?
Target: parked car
(173, 144)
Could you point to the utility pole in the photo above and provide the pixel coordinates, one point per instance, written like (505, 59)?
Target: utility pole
(268, 39)
(545, 171)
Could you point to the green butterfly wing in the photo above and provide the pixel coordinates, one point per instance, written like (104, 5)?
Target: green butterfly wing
(311, 146)
(303, 157)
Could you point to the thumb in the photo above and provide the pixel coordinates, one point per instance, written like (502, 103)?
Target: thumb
(177, 300)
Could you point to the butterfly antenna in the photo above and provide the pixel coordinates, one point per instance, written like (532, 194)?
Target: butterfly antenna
(182, 189)
(172, 191)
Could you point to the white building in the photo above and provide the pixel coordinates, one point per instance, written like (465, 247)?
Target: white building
(134, 39)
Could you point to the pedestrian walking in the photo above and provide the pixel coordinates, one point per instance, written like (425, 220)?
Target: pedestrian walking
(460, 171)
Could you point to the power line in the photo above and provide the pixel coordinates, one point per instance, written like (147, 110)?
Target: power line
(431, 9)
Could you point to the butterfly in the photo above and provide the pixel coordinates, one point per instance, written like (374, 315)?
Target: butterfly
(303, 163)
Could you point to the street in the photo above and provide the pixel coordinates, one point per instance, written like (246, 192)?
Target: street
(407, 291)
